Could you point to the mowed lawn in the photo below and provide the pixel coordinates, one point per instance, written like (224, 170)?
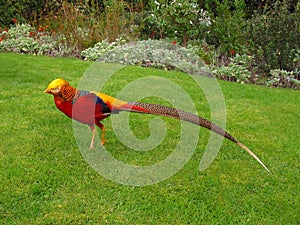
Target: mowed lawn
(44, 178)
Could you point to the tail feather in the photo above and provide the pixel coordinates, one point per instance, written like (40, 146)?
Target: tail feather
(160, 110)
(139, 107)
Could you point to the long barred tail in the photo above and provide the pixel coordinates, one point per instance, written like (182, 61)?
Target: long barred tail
(148, 108)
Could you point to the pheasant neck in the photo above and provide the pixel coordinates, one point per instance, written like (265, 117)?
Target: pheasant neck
(69, 93)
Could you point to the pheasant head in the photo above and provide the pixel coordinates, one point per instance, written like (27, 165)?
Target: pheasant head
(60, 87)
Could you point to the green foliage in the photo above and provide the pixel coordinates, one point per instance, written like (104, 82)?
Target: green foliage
(296, 58)
(237, 70)
(83, 26)
(23, 38)
(258, 6)
(100, 49)
(181, 19)
(158, 54)
(205, 51)
(274, 36)
(10, 10)
(227, 29)
(283, 78)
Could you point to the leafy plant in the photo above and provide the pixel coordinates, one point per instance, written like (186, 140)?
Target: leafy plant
(237, 70)
(283, 78)
(159, 54)
(205, 51)
(12, 11)
(273, 36)
(181, 19)
(296, 58)
(227, 28)
(83, 25)
(23, 38)
(19, 39)
(100, 49)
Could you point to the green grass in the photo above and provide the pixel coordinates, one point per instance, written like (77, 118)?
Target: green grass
(45, 179)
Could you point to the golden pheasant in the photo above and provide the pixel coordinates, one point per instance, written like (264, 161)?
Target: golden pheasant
(89, 107)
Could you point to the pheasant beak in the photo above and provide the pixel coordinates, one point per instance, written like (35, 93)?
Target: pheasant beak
(52, 91)
(48, 91)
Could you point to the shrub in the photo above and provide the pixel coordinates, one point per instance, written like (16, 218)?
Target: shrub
(296, 58)
(237, 70)
(100, 49)
(227, 29)
(274, 36)
(159, 54)
(20, 39)
(25, 39)
(181, 19)
(11, 11)
(205, 51)
(83, 25)
(283, 78)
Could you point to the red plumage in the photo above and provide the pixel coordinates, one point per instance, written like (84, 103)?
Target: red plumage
(85, 109)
